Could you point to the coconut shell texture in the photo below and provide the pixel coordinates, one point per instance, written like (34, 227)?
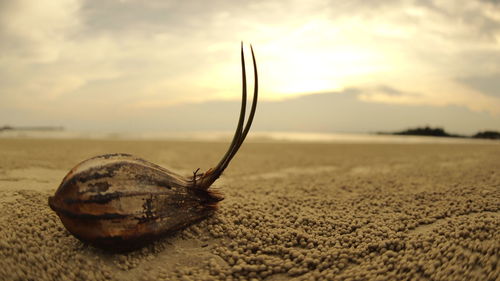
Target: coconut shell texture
(120, 201)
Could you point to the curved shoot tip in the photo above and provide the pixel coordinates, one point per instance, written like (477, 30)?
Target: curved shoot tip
(242, 129)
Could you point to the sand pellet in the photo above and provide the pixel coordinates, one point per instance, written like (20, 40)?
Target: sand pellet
(292, 211)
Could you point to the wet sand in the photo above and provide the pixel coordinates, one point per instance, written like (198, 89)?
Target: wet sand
(293, 211)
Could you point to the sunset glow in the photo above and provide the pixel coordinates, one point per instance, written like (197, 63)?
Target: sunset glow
(61, 60)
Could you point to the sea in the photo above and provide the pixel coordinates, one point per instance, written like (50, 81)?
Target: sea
(220, 136)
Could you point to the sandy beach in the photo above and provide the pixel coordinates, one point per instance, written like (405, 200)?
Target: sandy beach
(293, 211)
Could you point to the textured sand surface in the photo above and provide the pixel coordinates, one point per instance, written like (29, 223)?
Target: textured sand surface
(292, 212)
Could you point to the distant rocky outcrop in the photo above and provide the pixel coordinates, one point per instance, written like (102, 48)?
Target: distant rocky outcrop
(426, 131)
(487, 135)
(31, 128)
(440, 132)
(6, 128)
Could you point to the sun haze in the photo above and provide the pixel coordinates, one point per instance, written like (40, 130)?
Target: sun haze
(130, 65)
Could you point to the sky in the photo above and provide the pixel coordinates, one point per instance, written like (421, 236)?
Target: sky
(324, 66)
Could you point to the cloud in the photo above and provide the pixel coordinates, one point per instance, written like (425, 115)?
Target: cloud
(486, 84)
(386, 94)
(36, 32)
(472, 100)
(68, 58)
(327, 112)
(479, 19)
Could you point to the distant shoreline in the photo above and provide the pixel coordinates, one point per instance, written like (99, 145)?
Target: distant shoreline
(32, 128)
(61, 132)
(440, 132)
(225, 136)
